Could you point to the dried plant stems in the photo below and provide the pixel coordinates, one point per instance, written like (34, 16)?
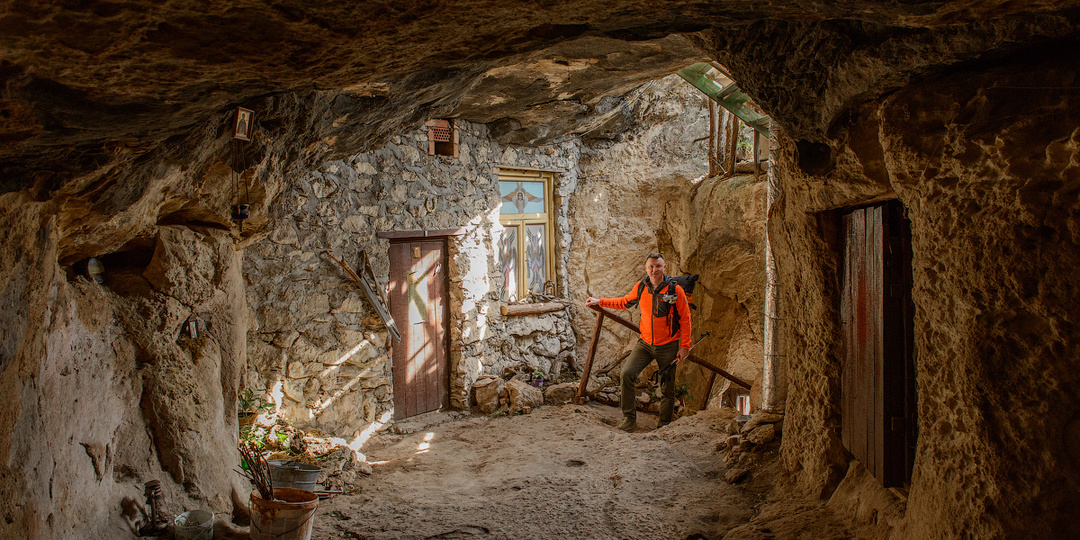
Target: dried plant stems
(259, 469)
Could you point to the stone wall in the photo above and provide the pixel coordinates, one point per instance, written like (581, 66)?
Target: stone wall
(314, 334)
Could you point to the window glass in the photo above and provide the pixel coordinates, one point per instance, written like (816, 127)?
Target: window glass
(522, 197)
(508, 261)
(536, 257)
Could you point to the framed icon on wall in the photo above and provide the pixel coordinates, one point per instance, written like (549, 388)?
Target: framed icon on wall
(242, 127)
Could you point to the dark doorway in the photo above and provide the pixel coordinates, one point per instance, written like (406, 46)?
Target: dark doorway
(878, 397)
(418, 301)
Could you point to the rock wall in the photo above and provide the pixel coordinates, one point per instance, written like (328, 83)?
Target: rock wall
(102, 390)
(308, 316)
(647, 192)
(988, 165)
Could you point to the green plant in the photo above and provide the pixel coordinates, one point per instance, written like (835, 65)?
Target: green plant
(682, 391)
(537, 374)
(255, 435)
(250, 402)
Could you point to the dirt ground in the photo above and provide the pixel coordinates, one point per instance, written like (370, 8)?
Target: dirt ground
(564, 472)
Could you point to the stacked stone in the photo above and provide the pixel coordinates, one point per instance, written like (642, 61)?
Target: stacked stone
(749, 433)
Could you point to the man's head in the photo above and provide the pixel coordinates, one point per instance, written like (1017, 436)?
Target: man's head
(654, 267)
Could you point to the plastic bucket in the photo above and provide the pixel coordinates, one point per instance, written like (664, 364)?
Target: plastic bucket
(293, 474)
(290, 516)
(194, 525)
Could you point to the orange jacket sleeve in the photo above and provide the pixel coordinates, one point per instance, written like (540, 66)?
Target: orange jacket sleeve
(620, 303)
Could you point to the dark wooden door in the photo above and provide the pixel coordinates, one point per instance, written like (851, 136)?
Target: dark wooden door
(878, 373)
(418, 301)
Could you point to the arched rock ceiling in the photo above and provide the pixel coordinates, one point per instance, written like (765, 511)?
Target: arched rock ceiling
(93, 83)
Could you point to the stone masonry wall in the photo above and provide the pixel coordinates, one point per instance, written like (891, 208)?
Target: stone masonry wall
(314, 336)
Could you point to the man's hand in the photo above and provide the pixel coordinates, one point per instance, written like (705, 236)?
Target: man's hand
(590, 301)
(683, 353)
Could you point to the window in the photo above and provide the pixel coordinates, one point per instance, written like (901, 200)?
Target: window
(442, 138)
(526, 253)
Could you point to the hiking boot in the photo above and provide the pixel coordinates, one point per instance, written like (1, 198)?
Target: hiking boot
(662, 424)
(628, 425)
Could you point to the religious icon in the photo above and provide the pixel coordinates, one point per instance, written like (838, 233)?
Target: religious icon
(242, 130)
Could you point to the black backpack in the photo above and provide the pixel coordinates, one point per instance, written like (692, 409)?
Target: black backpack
(666, 307)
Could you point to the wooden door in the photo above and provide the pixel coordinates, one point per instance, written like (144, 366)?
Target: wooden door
(878, 372)
(418, 301)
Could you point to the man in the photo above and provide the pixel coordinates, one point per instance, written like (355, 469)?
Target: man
(665, 336)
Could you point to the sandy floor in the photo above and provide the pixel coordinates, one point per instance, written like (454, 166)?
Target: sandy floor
(561, 472)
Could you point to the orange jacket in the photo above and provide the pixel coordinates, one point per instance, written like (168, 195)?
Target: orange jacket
(656, 321)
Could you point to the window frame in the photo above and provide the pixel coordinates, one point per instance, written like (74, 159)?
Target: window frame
(520, 221)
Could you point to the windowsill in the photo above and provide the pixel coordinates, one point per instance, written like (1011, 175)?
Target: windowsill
(537, 308)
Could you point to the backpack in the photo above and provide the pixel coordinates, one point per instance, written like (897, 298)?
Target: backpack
(667, 307)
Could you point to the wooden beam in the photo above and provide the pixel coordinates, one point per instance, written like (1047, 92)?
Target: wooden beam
(589, 359)
(718, 371)
(532, 309)
(608, 313)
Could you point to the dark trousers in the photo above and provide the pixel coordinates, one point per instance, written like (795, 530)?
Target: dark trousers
(640, 357)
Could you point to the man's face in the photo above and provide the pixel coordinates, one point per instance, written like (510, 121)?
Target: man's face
(655, 269)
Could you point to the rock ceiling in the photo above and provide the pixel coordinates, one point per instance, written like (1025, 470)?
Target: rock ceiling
(96, 86)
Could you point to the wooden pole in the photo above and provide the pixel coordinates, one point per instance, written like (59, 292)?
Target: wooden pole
(757, 167)
(722, 116)
(733, 145)
(589, 359)
(708, 393)
(712, 138)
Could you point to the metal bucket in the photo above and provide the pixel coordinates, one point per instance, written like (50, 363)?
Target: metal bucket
(195, 525)
(293, 474)
(290, 516)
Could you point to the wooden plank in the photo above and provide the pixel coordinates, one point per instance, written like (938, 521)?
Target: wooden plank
(533, 309)
(875, 286)
(589, 359)
(860, 323)
(410, 235)
(846, 332)
(398, 309)
(442, 329)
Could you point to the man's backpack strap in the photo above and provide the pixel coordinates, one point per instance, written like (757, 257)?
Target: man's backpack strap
(640, 291)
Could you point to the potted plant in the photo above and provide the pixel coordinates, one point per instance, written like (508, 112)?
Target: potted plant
(250, 405)
(537, 378)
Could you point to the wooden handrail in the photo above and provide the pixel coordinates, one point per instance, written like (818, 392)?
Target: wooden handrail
(602, 312)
